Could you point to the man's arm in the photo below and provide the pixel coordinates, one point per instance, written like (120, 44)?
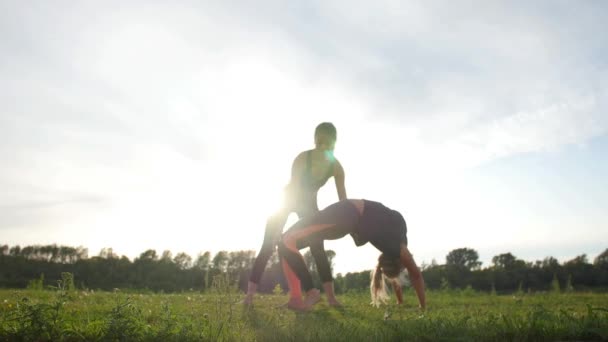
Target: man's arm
(339, 179)
(415, 275)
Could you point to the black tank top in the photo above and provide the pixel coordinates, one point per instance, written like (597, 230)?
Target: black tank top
(383, 227)
(308, 181)
(305, 197)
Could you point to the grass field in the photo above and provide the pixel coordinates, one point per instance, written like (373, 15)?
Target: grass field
(74, 315)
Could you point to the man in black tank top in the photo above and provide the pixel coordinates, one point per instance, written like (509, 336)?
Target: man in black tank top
(310, 171)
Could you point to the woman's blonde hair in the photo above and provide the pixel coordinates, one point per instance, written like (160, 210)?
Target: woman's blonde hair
(387, 268)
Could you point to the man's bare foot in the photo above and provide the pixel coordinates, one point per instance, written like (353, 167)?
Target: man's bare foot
(297, 304)
(312, 297)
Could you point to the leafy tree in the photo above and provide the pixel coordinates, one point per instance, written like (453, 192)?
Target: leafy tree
(507, 261)
(15, 251)
(107, 253)
(27, 252)
(203, 261)
(579, 260)
(167, 257)
(580, 272)
(220, 261)
(240, 260)
(465, 257)
(18, 266)
(602, 259)
(54, 250)
(550, 263)
(183, 260)
(149, 254)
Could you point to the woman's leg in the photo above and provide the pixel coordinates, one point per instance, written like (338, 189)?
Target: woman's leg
(295, 270)
(317, 249)
(272, 234)
(331, 223)
(290, 254)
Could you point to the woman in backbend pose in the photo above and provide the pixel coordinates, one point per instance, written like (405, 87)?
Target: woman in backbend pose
(309, 172)
(366, 221)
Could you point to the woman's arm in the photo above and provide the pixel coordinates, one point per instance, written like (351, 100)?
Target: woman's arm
(339, 179)
(415, 275)
(398, 291)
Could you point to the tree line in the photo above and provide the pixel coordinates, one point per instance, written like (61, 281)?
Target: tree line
(20, 267)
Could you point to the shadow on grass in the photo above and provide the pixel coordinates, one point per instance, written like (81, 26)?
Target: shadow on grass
(278, 323)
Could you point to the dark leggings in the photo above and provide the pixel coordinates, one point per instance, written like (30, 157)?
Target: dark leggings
(331, 223)
(272, 235)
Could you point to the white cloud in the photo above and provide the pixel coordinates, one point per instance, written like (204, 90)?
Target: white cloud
(128, 102)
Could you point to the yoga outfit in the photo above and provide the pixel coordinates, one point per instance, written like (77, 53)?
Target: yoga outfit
(379, 225)
(302, 199)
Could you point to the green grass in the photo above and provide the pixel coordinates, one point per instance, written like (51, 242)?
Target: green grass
(76, 315)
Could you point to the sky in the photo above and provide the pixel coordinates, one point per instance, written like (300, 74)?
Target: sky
(173, 125)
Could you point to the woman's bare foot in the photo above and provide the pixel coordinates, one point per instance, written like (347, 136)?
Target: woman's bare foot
(297, 304)
(328, 287)
(251, 289)
(312, 297)
(334, 302)
(247, 301)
